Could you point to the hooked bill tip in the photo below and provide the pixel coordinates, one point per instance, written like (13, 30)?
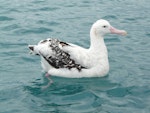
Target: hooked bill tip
(124, 33)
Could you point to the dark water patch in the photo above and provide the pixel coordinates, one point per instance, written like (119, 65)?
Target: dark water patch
(38, 1)
(35, 87)
(118, 92)
(14, 10)
(48, 9)
(52, 23)
(67, 90)
(5, 18)
(86, 2)
(69, 5)
(148, 34)
(130, 19)
(33, 90)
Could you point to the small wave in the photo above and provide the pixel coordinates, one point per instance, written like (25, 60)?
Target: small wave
(48, 9)
(52, 23)
(5, 18)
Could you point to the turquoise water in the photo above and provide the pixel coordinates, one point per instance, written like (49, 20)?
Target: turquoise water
(126, 89)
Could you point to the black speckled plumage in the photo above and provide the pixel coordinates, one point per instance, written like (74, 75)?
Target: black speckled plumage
(60, 58)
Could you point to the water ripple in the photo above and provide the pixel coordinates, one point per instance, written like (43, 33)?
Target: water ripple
(48, 9)
(5, 18)
(52, 23)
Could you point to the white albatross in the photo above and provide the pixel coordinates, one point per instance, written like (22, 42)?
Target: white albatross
(68, 60)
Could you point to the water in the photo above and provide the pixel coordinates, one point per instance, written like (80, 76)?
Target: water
(126, 89)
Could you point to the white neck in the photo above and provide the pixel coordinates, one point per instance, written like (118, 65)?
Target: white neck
(97, 42)
(99, 50)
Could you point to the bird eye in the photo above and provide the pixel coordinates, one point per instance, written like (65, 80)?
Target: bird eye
(104, 26)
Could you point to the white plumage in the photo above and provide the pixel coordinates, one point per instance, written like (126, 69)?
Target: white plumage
(68, 60)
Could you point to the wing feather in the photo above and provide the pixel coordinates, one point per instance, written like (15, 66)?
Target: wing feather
(60, 58)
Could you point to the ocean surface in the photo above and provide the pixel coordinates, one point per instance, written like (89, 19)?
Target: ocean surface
(126, 89)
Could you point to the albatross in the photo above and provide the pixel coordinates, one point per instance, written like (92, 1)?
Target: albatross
(63, 59)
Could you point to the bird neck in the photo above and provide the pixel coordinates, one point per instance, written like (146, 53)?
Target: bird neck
(97, 42)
